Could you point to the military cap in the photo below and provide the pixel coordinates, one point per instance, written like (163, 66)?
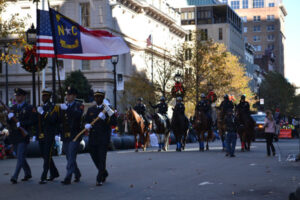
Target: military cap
(47, 91)
(19, 92)
(99, 93)
(202, 95)
(140, 99)
(71, 90)
(162, 98)
(226, 96)
(179, 98)
(243, 96)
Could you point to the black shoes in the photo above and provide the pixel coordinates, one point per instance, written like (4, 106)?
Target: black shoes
(26, 178)
(66, 182)
(99, 183)
(77, 179)
(42, 182)
(52, 178)
(13, 181)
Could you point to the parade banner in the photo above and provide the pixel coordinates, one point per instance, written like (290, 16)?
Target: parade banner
(285, 133)
(67, 39)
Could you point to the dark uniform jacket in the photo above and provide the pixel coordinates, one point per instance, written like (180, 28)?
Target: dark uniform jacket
(231, 123)
(101, 131)
(244, 107)
(71, 121)
(162, 108)
(203, 105)
(179, 107)
(226, 105)
(48, 122)
(140, 109)
(27, 117)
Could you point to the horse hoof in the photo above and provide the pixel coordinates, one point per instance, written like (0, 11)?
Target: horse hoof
(164, 149)
(243, 150)
(201, 149)
(207, 149)
(159, 150)
(136, 150)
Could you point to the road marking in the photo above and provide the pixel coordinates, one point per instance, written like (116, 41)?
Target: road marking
(205, 183)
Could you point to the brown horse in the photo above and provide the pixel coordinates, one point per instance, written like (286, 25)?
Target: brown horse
(179, 126)
(138, 128)
(201, 125)
(221, 126)
(245, 129)
(161, 130)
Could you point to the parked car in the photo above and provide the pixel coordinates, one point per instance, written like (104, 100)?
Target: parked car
(259, 119)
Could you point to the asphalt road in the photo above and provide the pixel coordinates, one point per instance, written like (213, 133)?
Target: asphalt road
(168, 175)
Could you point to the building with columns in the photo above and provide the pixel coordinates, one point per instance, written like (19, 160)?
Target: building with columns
(134, 20)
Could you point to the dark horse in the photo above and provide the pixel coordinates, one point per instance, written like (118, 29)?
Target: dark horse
(137, 127)
(179, 126)
(245, 129)
(201, 125)
(159, 126)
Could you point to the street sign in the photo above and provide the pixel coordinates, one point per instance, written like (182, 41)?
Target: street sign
(262, 101)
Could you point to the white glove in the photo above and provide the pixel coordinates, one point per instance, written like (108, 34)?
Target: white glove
(102, 115)
(10, 115)
(63, 106)
(18, 124)
(40, 110)
(88, 126)
(106, 102)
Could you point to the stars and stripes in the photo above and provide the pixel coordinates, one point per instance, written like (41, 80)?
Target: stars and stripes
(149, 40)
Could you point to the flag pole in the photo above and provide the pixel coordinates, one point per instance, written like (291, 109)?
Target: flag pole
(152, 60)
(44, 70)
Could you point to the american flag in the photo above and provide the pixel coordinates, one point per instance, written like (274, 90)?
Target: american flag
(149, 40)
(44, 43)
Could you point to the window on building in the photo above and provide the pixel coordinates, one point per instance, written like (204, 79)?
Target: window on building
(256, 28)
(256, 38)
(188, 37)
(203, 34)
(187, 15)
(85, 14)
(188, 54)
(271, 4)
(271, 37)
(220, 34)
(245, 29)
(244, 18)
(270, 18)
(271, 27)
(257, 48)
(85, 65)
(270, 47)
(258, 3)
(245, 4)
(256, 18)
(235, 4)
(205, 14)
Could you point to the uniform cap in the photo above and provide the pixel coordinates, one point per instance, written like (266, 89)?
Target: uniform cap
(179, 99)
(99, 93)
(71, 90)
(226, 96)
(202, 95)
(140, 99)
(243, 96)
(19, 92)
(162, 98)
(46, 91)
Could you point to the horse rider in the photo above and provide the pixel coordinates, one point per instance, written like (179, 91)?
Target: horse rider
(48, 121)
(162, 109)
(226, 105)
(244, 106)
(140, 108)
(203, 105)
(179, 106)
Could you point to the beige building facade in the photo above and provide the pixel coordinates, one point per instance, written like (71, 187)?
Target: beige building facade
(263, 22)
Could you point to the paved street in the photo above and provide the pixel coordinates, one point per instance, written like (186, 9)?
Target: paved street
(168, 175)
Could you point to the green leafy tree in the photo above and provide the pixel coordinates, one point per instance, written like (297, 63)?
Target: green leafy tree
(277, 92)
(77, 80)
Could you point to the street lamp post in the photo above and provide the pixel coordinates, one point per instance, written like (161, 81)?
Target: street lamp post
(6, 75)
(31, 39)
(114, 61)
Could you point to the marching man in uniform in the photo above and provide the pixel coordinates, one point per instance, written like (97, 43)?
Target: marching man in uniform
(21, 118)
(48, 121)
(71, 120)
(99, 133)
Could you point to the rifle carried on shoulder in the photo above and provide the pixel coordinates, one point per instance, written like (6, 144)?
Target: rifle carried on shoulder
(22, 130)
